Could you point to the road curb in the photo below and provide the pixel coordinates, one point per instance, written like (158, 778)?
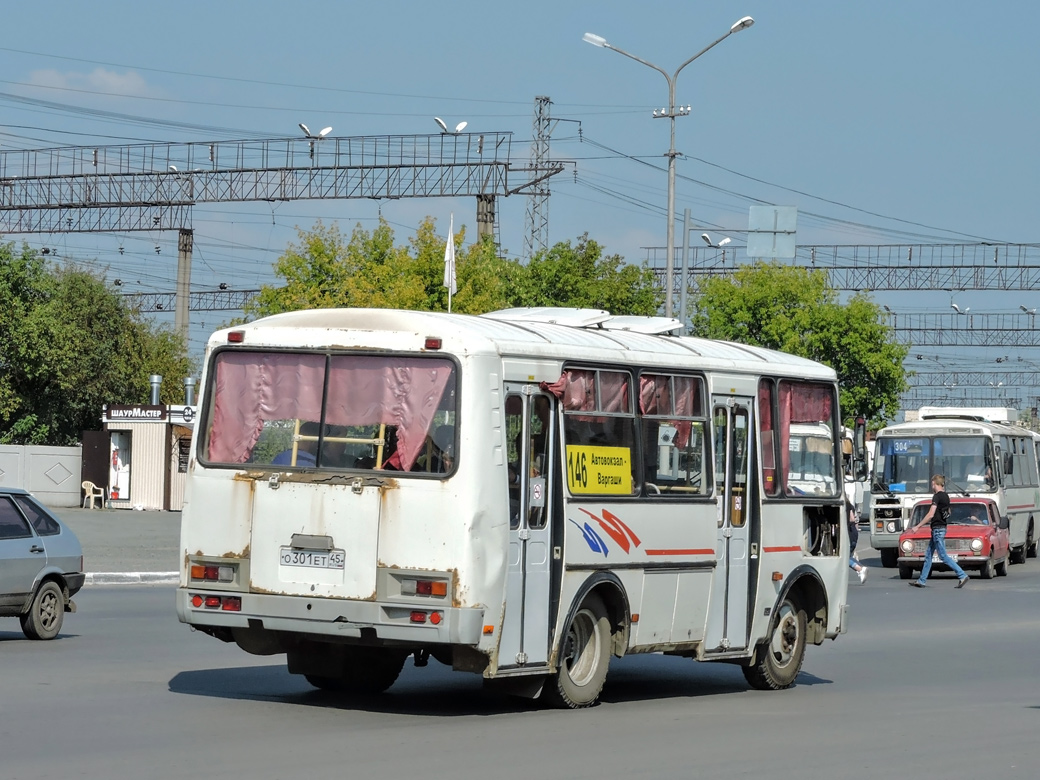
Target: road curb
(132, 578)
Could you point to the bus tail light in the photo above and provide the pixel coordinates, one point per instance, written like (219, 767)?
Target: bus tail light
(419, 616)
(410, 587)
(223, 603)
(212, 573)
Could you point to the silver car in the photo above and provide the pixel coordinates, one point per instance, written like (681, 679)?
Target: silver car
(41, 565)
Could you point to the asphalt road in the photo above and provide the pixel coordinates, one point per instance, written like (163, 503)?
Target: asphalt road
(124, 541)
(932, 683)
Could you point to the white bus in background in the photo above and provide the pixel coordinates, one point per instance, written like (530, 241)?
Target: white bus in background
(522, 495)
(977, 456)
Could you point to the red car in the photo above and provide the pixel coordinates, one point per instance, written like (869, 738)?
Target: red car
(976, 537)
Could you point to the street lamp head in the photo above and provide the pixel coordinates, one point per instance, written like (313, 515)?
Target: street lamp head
(324, 132)
(725, 241)
(306, 131)
(741, 24)
(706, 238)
(596, 40)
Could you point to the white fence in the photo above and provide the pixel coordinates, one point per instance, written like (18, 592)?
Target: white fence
(52, 474)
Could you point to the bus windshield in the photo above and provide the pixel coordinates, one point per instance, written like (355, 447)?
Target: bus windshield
(907, 464)
(308, 410)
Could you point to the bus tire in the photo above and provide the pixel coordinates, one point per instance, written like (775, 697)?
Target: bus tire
(1030, 541)
(889, 555)
(584, 658)
(1018, 554)
(366, 671)
(905, 572)
(779, 659)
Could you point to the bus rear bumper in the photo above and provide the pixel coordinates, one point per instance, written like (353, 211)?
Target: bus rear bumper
(341, 618)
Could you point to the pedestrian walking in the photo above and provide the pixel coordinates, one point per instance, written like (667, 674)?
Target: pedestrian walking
(854, 564)
(938, 516)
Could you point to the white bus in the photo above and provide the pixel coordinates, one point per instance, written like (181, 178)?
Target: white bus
(522, 494)
(978, 457)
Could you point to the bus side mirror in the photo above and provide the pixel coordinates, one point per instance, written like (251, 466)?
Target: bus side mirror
(859, 449)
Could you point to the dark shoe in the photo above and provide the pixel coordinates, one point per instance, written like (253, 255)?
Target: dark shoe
(962, 582)
(918, 584)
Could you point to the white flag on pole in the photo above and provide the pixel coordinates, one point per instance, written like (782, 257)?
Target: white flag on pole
(449, 259)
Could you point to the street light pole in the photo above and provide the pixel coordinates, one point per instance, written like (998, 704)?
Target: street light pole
(672, 112)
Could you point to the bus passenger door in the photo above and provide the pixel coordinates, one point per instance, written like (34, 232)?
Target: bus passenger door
(728, 613)
(529, 426)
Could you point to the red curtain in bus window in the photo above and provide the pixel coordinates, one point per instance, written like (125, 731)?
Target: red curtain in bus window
(655, 398)
(770, 484)
(613, 392)
(404, 392)
(251, 387)
(577, 390)
(801, 403)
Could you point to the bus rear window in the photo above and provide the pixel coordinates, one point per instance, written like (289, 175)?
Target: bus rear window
(303, 410)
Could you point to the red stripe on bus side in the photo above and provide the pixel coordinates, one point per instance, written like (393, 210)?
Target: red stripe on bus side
(679, 552)
(796, 548)
(1021, 506)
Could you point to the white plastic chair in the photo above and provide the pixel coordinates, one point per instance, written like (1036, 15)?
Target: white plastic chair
(91, 493)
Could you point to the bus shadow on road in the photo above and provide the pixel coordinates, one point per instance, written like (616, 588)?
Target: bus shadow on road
(437, 691)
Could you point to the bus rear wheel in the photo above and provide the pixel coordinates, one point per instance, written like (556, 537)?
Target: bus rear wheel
(364, 671)
(584, 658)
(779, 659)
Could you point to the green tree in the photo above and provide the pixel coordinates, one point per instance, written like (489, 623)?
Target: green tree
(581, 276)
(68, 345)
(795, 310)
(321, 270)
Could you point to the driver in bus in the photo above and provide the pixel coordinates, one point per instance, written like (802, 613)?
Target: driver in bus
(979, 471)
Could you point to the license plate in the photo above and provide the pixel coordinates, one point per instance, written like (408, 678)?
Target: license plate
(935, 558)
(312, 559)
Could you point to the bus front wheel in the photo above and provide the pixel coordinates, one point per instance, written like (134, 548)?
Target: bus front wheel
(779, 659)
(584, 657)
(889, 556)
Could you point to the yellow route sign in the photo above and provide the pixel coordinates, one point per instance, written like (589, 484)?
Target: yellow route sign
(599, 470)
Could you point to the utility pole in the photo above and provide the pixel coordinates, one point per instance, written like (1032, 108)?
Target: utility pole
(536, 237)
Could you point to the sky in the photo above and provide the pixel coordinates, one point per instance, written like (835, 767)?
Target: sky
(883, 122)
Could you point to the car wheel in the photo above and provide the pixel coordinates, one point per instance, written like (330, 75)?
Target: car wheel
(889, 557)
(905, 572)
(584, 658)
(778, 660)
(986, 572)
(46, 612)
(1002, 567)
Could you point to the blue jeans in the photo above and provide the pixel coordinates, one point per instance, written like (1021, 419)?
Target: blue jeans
(937, 546)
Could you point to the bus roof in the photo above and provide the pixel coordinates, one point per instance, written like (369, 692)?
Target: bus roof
(544, 332)
(953, 426)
